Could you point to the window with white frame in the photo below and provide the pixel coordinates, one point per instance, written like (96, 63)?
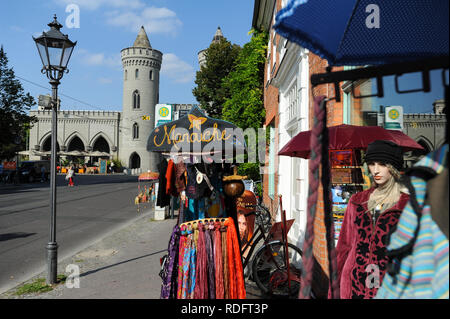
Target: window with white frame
(293, 101)
(271, 191)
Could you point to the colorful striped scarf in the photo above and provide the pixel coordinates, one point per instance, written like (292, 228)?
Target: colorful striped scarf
(424, 270)
(201, 287)
(193, 268)
(181, 254)
(218, 261)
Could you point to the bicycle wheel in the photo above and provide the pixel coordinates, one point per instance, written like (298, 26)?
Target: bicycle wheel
(270, 271)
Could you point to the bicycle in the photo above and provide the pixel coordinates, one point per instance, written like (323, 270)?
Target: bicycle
(275, 272)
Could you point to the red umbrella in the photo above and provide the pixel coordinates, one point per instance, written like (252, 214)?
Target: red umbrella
(348, 137)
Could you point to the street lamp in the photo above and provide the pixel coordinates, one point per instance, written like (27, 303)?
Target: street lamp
(55, 50)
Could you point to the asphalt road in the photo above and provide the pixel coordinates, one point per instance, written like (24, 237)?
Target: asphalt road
(95, 207)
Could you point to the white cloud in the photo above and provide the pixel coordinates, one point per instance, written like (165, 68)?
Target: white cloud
(99, 59)
(155, 20)
(132, 14)
(176, 69)
(95, 4)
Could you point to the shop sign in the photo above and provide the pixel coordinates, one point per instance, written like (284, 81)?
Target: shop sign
(393, 118)
(163, 114)
(193, 132)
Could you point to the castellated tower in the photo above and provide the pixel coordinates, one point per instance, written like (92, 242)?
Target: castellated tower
(141, 66)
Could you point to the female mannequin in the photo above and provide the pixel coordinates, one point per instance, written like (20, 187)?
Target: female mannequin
(368, 221)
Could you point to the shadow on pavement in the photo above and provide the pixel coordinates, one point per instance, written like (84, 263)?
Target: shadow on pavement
(9, 236)
(120, 263)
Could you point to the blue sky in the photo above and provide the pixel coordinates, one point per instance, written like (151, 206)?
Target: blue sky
(177, 28)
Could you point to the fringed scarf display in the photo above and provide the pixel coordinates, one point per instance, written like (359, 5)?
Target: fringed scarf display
(209, 262)
(184, 250)
(210, 251)
(201, 289)
(218, 261)
(223, 231)
(235, 271)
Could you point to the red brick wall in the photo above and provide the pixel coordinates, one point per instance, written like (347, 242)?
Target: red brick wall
(334, 117)
(271, 98)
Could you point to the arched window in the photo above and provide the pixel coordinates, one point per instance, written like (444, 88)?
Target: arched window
(126, 74)
(136, 74)
(151, 75)
(136, 100)
(135, 131)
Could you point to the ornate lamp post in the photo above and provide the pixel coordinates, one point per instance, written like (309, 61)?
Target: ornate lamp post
(55, 50)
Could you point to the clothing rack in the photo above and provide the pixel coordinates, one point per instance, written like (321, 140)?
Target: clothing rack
(203, 221)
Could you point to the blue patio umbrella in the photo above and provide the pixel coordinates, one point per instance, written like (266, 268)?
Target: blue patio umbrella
(361, 32)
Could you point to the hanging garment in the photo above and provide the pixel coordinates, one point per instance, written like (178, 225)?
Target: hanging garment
(170, 179)
(192, 190)
(170, 273)
(193, 267)
(223, 233)
(201, 287)
(209, 236)
(188, 262)
(418, 248)
(214, 205)
(180, 176)
(163, 199)
(195, 210)
(196, 189)
(218, 261)
(235, 271)
(182, 251)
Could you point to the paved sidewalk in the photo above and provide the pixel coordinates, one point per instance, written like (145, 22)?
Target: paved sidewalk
(123, 265)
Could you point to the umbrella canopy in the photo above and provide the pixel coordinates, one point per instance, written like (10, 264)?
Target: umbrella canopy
(361, 32)
(98, 153)
(196, 133)
(348, 137)
(148, 176)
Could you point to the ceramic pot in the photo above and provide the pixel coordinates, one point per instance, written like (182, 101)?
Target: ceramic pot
(234, 188)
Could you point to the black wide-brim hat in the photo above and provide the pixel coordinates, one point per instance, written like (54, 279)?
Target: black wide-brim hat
(386, 152)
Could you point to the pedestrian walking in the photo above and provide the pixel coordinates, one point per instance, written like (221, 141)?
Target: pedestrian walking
(370, 217)
(43, 174)
(70, 176)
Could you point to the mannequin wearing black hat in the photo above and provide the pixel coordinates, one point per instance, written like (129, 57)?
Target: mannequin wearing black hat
(369, 218)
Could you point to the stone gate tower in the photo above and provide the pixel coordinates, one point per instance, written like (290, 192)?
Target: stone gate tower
(141, 65)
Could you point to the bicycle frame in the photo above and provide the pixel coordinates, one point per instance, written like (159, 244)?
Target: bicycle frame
(252, 243)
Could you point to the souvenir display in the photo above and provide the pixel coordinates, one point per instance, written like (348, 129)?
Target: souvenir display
(346, 179)
(203, 259)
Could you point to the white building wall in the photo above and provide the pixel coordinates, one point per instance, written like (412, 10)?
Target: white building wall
(292, 80)
(87, 125)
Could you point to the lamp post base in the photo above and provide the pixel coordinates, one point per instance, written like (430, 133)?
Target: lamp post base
(52, 262)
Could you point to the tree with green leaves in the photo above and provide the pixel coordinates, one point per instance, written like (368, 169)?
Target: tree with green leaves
(14, 104)
(210, 93)
(244, 104)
